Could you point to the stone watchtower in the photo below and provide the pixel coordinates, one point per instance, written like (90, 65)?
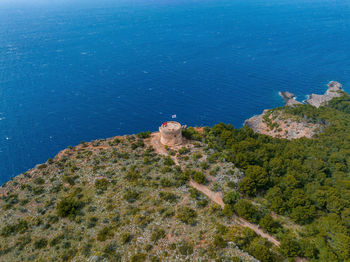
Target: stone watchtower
(171, 133)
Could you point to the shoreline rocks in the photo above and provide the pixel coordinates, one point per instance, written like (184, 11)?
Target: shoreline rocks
(273, 124)
(334, 90)
(289, 98)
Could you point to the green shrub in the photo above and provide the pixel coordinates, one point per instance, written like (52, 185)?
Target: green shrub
(204, 165)
(168, 196)
(69, 207)
(40, 243)
(56, 240)
(133, 174)
(69, 179)
(86, 249)
(131, 195)
(199, 177)
(139, 257)
(101, 184)
(109, 250)
(157, 234)
(185, 248)
(39, 181)
(260, 251)
(194, 193)
(165, 182)
(228, 210)
(187, 215)
(191, 134)
(230, 198)
(219, 242)
(197, 156)
(125, 238)
(38, 190)
(183, 150)
(23, 241)
(92, 222)
(20, 227)
(181, 177)
(144, 134)
(105, 233)
(247, 210)
(289, 246)
(269, 224)
(67, 255)
(202, 203)
(168, 161)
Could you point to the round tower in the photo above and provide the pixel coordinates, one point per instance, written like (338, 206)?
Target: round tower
(170, 133)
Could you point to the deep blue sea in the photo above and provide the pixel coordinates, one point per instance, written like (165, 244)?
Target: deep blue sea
(81, 69)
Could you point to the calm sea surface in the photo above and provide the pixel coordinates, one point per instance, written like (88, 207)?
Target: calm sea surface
(82, 70)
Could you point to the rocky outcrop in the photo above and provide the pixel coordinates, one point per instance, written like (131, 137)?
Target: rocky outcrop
(334, 90)
(289, 98)
(273, 124)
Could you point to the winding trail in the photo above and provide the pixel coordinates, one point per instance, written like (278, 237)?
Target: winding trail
(217, 198)
(257, 230)
(214, 196)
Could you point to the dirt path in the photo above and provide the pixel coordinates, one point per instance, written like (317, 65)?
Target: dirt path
(217, 198)
(170, 238)
(257, 230)
(154, 140)
(214, 196)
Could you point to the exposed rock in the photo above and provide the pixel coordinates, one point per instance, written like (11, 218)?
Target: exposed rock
(255, 121)
(289, 98)
(273, 124)
(334, 90)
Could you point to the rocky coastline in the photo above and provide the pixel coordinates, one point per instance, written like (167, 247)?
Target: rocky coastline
(289, 98)
(273, 124)
(316, 100)
(334, 90)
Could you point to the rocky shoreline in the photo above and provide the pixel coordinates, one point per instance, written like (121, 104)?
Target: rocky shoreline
(289, 98)
(316, 100)
(273, 124)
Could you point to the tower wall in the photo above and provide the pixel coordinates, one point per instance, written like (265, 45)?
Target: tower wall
(171, 134)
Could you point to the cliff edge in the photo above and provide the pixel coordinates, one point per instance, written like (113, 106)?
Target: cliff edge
(276, 124)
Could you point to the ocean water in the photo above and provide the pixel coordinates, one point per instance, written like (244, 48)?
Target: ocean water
(82, 70)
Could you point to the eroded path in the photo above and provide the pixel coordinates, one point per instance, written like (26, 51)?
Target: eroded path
(214, 196)
(217, 198)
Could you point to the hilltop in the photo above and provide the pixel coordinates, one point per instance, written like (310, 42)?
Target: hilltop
(225, 194)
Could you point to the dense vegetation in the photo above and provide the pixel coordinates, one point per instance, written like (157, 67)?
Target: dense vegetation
(306, 179)
(120, 200)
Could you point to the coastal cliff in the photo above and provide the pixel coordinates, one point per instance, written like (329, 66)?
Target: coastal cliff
(276, 123)
(224, 194)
